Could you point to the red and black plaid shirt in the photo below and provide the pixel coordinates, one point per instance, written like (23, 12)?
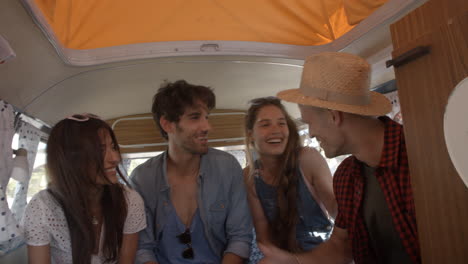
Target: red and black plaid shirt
(394, 179)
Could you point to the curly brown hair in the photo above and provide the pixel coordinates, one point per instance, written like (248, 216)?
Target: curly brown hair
(172, 98)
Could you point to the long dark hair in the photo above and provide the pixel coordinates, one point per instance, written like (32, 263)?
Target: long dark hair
(283, 228)
(74, 160)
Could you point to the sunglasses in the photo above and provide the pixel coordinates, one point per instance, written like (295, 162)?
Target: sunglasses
(265, 100)
(186, 239)
(82, 117)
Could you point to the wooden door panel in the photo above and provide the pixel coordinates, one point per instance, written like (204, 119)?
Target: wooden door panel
(424, 86)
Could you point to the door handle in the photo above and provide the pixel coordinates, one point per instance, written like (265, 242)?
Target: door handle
(408, 56)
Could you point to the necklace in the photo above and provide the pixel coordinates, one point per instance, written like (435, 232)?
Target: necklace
(94, 220)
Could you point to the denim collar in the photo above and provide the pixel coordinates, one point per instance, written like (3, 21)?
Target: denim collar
(201, 173)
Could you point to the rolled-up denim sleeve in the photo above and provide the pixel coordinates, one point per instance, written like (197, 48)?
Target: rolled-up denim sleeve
(146, 240)
(239, 221)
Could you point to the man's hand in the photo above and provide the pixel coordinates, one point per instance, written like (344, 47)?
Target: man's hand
(274, 255)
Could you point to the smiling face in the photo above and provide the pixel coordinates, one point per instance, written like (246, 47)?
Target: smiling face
(323, 128)
(190, 133)
(270, 131)
(111, 158)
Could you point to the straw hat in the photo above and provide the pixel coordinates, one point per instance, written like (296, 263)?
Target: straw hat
(338, 81)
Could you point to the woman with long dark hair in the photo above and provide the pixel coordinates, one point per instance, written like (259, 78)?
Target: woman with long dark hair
(86, 215)
(289, 186)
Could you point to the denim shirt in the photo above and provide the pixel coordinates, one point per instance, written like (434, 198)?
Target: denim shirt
(313, 226)
(221, 197)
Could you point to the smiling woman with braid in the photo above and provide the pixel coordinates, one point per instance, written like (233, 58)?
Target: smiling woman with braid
(289, 186)
(85, 215)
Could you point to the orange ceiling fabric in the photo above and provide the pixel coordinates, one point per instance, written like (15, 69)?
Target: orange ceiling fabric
(90, 24)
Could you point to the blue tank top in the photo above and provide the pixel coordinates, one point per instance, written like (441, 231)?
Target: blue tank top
(313, 227)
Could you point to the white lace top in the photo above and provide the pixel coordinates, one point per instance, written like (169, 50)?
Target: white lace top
(44, 223)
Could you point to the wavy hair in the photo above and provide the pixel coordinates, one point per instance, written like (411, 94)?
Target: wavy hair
(74, 161)
(172, 98)
(283, 227)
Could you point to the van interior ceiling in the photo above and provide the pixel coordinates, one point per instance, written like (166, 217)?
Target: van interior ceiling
(51, 73)
(109, 57)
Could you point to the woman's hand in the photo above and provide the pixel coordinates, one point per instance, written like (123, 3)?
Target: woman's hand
(274, 255)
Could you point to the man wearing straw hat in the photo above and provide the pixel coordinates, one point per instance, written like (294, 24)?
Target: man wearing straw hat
(376, 220)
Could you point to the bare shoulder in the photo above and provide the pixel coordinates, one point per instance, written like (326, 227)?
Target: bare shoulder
(313, 164)
(310, 157)
(305, 151)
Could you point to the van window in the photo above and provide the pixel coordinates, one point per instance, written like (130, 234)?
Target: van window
(38, 179)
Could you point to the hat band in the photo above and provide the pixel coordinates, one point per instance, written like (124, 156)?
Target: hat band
(332, 96)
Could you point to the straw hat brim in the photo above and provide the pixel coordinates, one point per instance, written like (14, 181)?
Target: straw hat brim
(379, 104)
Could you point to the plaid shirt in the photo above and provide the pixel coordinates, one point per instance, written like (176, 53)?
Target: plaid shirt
(393, 176)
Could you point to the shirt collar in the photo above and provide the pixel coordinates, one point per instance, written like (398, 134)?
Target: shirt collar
(164, 168)
(392, 140)
(203, 164)
(203, 167)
